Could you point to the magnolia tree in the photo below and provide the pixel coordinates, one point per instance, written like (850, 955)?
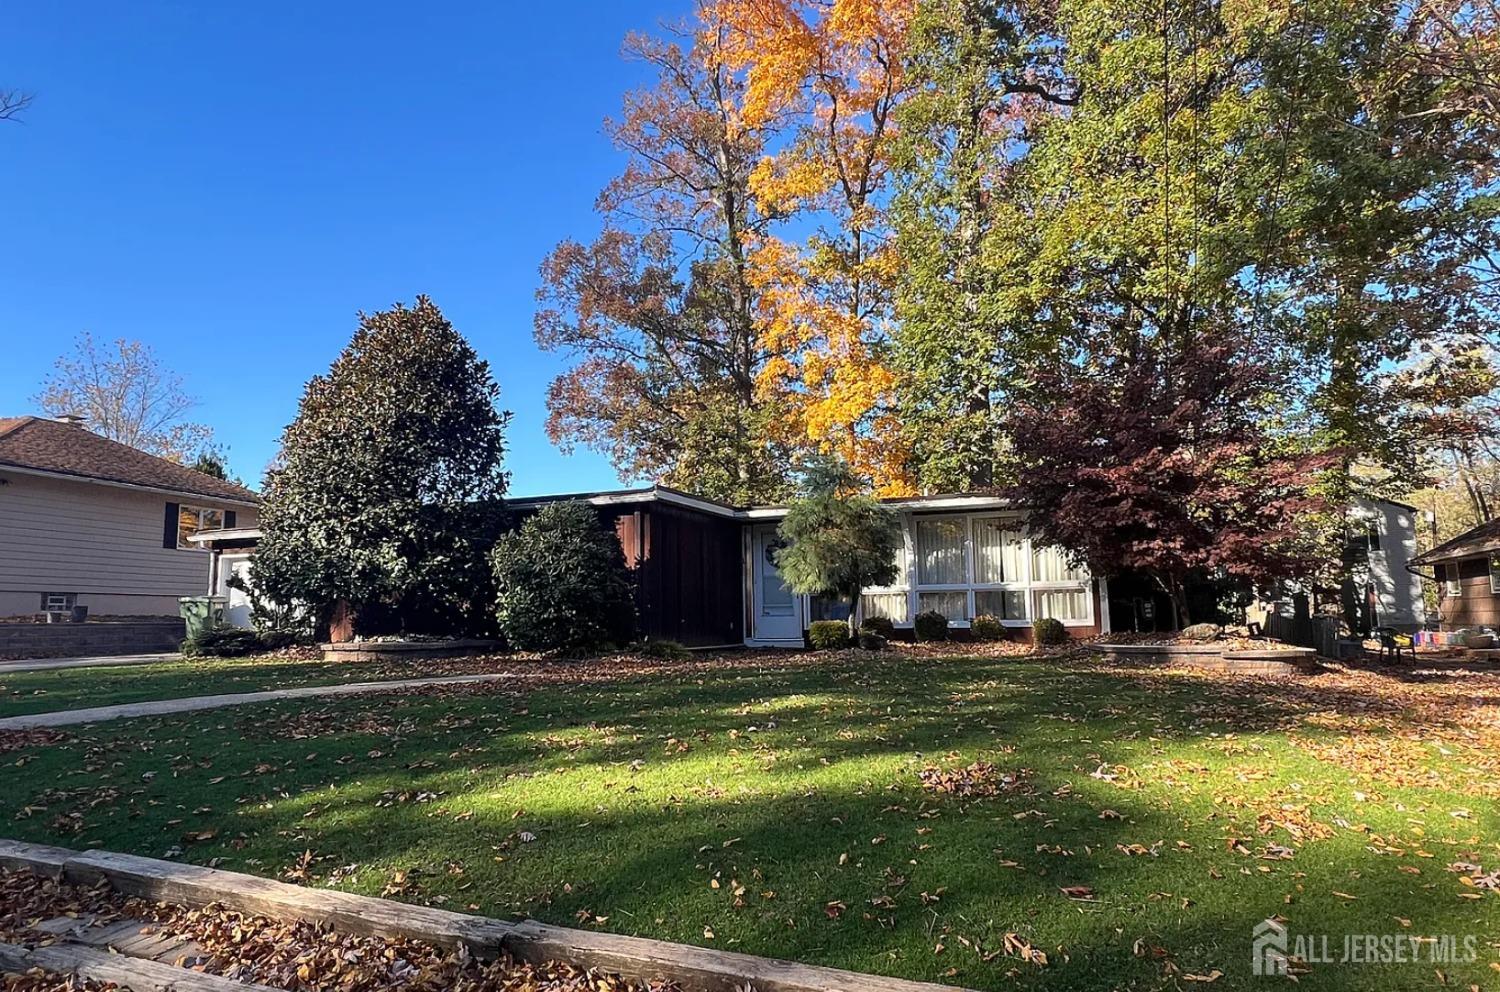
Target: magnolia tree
(1162, 464)
(838, 541)
(387, 493)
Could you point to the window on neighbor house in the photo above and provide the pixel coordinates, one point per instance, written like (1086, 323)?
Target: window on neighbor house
(193, 519)
(1452, 588)
(1495, 575)
(1363, 539)
(58, 602)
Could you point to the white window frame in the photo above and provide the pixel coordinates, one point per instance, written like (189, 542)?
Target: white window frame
(910, 584)
(200, 511)
(1452, 587)
(918, 587)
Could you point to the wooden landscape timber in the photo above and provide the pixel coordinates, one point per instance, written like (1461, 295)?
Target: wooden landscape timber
(137, 974)
(527, 940)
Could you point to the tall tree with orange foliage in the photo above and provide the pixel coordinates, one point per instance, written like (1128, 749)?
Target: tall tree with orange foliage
(831, 69)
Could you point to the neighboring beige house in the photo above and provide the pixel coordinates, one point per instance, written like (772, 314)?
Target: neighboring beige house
(86, 521)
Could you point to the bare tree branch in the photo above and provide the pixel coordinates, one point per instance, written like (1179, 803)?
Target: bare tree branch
(12, 104)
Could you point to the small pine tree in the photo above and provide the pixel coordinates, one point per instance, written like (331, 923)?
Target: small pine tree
(838, 541)
(387, 492)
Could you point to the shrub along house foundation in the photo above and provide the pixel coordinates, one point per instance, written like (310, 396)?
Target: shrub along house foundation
(706, 573)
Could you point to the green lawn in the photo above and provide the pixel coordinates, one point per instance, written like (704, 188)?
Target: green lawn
(24, 693)
(780, 809)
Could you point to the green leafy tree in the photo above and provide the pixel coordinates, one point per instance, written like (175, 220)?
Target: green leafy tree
(838, 541)
(388, 488)
(981, 71)
(1292, 175)
(561, 583)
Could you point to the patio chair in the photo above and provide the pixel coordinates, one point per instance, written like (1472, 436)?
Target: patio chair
(1393, 642)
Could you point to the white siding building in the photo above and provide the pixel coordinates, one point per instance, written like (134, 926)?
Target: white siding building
(88, 522)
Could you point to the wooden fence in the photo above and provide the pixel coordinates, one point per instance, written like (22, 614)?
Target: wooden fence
(1319, 633)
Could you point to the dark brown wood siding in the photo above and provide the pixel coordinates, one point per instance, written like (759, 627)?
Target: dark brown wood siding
(1475, 606)
(687, 567)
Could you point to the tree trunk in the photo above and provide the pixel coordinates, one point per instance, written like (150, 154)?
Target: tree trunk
(1176, 591)
(853, 622)
(1180, 604)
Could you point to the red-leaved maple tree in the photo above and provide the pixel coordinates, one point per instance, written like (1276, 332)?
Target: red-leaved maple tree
(1163, 463)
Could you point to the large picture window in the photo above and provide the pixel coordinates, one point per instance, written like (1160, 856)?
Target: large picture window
(969, 565)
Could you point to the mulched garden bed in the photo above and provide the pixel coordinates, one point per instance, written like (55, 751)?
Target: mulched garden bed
(296, 956)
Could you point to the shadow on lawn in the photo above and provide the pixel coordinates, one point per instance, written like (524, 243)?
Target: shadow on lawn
(982, 868)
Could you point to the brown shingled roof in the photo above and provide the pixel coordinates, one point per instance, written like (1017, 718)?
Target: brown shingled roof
(68, 449)
(1481, 540)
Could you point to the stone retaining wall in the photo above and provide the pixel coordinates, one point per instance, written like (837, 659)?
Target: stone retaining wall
(406, 650)
(69, 640)
(1215, 657)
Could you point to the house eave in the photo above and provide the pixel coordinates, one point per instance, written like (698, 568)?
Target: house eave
(956, 503)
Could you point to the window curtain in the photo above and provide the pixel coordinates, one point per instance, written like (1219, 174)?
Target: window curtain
(1051, 565)
(953, 605)
(1063, 604)
(940, 552)
(891, 605)
(997, 553)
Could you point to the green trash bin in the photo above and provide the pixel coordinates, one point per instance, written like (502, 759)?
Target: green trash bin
(201, 612)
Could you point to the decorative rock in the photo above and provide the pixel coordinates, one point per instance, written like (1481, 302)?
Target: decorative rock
(1202, 632)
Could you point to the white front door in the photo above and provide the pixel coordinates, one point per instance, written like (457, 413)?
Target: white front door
(237, 610)
(776, 612)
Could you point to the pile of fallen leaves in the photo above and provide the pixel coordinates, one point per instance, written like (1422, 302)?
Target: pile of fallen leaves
(971, 781)
(15, 740)
(285, 954)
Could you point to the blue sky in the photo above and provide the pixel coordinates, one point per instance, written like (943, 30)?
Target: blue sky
(232, 183)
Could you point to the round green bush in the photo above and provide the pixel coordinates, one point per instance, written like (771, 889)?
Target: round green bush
(561, 583)
(987, 628)
(931, 626)
(871, 641)
(1048, 631)
(883, 626)
(828, 635)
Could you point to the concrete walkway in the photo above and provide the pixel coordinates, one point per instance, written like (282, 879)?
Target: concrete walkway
(166, 707)
(92, 661)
